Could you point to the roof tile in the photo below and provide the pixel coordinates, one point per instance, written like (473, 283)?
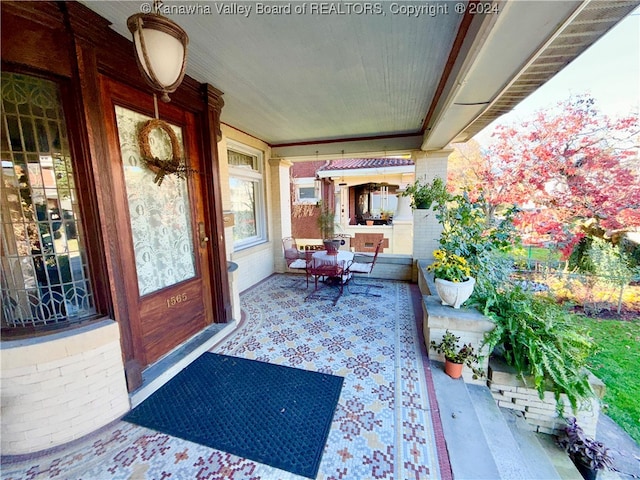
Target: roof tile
(355, 163)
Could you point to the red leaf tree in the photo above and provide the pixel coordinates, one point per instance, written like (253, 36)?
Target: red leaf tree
(573, 171)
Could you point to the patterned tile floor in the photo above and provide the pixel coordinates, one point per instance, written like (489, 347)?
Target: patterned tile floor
(386, 424)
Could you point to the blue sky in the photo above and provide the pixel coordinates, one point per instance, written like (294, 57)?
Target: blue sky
(609, 70)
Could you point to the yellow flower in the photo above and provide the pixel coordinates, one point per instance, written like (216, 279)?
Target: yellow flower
(449, 266)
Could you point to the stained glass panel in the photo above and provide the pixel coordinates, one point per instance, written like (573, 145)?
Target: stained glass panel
(44, 278)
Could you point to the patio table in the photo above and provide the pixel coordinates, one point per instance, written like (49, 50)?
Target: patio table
(330, 269)
(322, 257)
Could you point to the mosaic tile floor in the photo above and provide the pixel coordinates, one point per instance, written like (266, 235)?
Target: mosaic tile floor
(384, 426)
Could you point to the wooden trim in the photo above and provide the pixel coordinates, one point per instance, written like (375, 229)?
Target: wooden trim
(87, 28)
(33, 33)
(244, 133)
(44, 13)
(465, 24)
(348, 139)
(93, 146)
(211, 134)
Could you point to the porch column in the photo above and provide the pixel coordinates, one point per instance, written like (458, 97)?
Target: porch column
(426, 229)
(281, 211)
(403, 226)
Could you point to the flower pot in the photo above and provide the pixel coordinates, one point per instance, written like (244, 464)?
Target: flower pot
(587, 472)
(454, 293)
(369, 222)
(454, 370)
(331, 246)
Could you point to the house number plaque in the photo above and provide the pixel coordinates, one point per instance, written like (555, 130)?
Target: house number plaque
(176, 300)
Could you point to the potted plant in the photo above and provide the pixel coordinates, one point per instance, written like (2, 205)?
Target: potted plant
(453, 279)
(424, 195)
(456, 357)
(387, 215)
(327, 225)
(589, 455)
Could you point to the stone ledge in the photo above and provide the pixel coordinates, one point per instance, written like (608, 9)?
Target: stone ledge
(466, 319)
(502, 374)
(466, 323)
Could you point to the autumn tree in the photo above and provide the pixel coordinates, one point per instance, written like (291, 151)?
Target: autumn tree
(573, 171)
(471, 171)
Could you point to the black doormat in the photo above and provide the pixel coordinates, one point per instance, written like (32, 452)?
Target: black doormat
(276, 415)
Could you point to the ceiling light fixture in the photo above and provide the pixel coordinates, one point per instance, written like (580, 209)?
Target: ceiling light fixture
(161, 50)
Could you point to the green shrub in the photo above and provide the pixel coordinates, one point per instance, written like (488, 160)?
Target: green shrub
(609, 270)
(468, 231)
(579, 258)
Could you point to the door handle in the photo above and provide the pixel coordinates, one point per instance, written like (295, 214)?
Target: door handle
(202, 233)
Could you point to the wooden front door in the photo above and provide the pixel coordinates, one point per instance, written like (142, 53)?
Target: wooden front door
(162, 232)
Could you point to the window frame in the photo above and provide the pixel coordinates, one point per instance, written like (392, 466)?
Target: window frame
(306, 182)
(257, 176)
(86, 199)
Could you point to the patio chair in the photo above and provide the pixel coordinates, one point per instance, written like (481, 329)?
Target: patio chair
(363, 267)
(294, 258)
(332, 274)
(292, 255)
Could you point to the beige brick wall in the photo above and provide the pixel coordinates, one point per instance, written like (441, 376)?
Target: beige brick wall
(511, 392)
(426, 229)
(57, 388)
(280, 213)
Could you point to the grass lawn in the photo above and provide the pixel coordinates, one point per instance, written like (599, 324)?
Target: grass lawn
(617, 364)
(542, 255)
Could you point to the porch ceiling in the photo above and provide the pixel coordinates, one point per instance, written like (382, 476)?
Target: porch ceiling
(355, 83)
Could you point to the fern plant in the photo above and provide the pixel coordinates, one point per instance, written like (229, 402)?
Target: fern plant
(538, 340)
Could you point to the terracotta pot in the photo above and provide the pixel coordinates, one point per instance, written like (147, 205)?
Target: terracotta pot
(369, 222)
(454, 370)
(331, 246)
(587, 472)
(454, 293)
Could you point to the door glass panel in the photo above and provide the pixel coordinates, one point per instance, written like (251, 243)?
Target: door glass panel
(160, 216)
(45, 278)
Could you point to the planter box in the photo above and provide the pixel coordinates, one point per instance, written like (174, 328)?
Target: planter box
(511, 392)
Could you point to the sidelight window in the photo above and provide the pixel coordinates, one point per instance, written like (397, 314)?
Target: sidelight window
(45, 278)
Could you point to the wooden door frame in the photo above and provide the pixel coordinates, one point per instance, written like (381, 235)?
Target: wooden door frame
(85, 47)
(98, 50)
(198, 312)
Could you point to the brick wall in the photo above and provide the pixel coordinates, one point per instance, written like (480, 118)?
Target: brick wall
(367, 242)
(60, 387)
(511, 392)
(426, 229)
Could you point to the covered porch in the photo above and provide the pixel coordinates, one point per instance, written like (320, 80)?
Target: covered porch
(398, 414)
(386, 424)
(103, 308)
